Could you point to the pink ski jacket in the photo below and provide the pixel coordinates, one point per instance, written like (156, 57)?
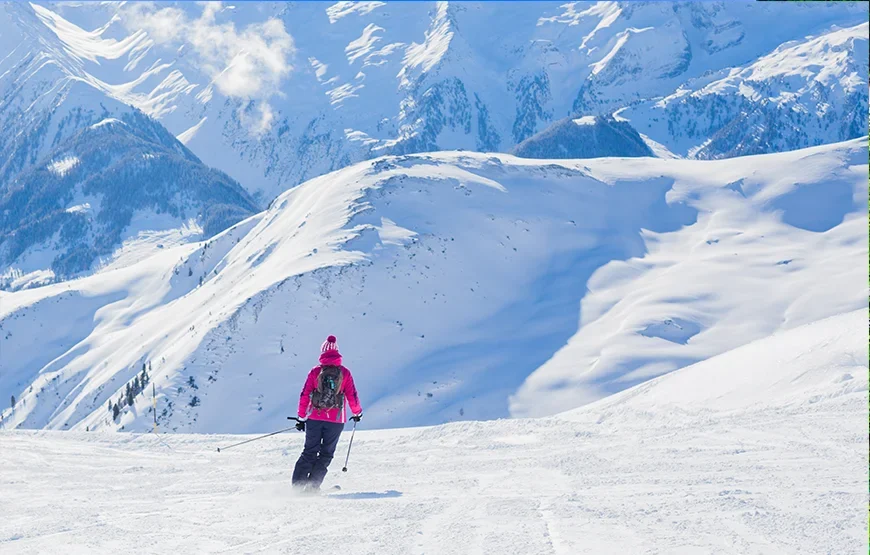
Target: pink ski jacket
(307, 410)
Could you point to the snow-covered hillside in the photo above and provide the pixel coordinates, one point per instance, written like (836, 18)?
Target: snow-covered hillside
(103, 185)
(759, 450)
(586, 137)
(275, 94)
(460, 285)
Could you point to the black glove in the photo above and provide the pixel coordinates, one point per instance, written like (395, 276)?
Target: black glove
(300, 425)
(356, 417)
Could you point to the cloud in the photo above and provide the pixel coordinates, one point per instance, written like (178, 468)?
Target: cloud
(247, 63)
(162, 26)
(257, 117)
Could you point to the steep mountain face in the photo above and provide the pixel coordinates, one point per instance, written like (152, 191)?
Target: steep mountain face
(453, 282)
(79, 201)
(804, 93)
(274, 94)
(84, 169)
(586, 137)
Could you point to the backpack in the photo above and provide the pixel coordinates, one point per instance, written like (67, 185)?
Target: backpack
(326, 395)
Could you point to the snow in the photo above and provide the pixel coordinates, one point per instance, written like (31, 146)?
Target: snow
(343, 92)
(821, 59)
(319, 68)
(425, 56)
(392, 234)
(713, 274)
(343, 9)
(87, 45)
(658, 149)
(107, 121)
(147, 233)
(19, 279)
(585, 120)
(759, 450)
(417, 48)
(84, 208)
(187, 136)
(500, 281)
(621, 39)
(817, 76)
(61, 167)
(364, 45)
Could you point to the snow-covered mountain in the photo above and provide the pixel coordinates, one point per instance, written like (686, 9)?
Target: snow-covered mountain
(103, 184)
(460, 286)
(586, 137)
(804, 93)
(274, 94)
(760, 449)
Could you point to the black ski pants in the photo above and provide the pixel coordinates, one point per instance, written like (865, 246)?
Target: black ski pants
(321, 438)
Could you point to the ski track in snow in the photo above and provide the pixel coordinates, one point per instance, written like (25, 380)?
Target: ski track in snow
(659, 468)
(757, 483)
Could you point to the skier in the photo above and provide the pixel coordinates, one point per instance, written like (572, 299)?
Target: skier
(322, 415)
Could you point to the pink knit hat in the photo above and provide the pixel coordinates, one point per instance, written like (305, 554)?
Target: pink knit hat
(329, 345)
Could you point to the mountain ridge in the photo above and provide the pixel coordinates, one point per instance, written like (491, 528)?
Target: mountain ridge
(367, 255)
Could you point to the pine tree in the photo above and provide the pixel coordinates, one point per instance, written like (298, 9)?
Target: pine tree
(13, 402)
(115, 411)
(110, 405)
(189, 272)
(136, 386)
(129, 395)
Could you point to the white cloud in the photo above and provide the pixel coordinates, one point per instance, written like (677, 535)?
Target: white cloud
(257, 118)
(247, 63)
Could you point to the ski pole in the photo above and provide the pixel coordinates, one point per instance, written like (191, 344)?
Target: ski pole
(256, 438)
(344, 469)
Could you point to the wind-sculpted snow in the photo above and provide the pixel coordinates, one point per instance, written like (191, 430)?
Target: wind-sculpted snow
(779, 242)
(460, 286)
(761, 449)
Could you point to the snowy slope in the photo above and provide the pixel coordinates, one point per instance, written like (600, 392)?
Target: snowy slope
(743, 270)
(759, 450)
(274, 94)
(454, 283)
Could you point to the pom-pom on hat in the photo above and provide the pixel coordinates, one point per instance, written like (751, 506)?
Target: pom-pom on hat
(331, 344)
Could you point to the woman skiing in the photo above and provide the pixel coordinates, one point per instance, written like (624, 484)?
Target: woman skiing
(322, 415)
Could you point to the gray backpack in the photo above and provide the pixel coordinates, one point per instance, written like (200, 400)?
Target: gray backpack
(327, 393)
